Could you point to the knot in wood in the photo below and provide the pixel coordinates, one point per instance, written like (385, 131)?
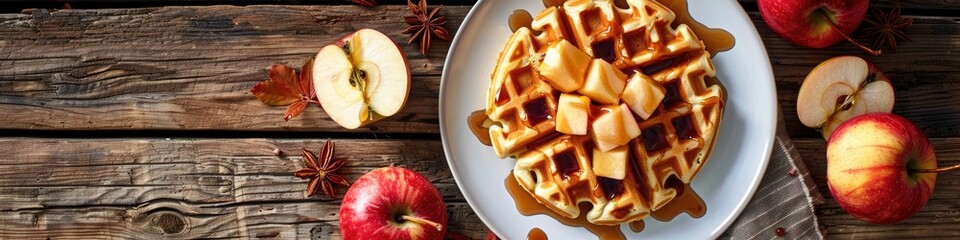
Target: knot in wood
(170, 223)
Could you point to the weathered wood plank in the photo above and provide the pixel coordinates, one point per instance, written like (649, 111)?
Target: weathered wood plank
(940, 218)
(185, 67)
(228, 188)
(193, 67)
(147, 188)
(281, 220)
(910, 4)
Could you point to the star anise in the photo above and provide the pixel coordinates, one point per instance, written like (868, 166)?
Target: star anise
(321, 173)
(887, 28)
(425, 24)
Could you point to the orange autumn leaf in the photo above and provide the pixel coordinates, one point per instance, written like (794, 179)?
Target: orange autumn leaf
(286, 87)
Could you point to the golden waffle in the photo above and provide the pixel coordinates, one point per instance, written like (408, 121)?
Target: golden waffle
(674, 141)
(558, 174)
(522, 104)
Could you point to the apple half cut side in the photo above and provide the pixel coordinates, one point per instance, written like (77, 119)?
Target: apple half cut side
(841, 88)
(361, 79)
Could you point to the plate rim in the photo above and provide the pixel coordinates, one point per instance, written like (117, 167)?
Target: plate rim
(743, 201)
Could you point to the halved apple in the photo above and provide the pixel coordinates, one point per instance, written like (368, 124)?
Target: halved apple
(841, 88)
(361, 79)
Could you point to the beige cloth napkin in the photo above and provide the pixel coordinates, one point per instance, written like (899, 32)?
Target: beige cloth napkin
(784, 199)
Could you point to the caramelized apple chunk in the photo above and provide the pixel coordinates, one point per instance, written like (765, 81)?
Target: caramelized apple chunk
(614, 127)
(604, 82)
(564, 66)
(643, 95)
(573, 114)
(611, 164)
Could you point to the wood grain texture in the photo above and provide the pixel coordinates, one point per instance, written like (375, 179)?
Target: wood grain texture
(925, 74)
(939, 219)
(182, 188)
(236, 188)
(191, 68)
(187, 67)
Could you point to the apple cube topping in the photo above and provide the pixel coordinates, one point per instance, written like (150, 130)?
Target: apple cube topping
(573, 114)
(643, 95)
(604, 82)
(564, 66)
(611, 164)
(614, 127)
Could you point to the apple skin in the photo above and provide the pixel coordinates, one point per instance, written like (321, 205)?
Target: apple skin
(798, 22)
(374, 202)
(868, 158)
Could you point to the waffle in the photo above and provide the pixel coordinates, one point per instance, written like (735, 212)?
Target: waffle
(556, 173)
(675, 137)
(519, 101)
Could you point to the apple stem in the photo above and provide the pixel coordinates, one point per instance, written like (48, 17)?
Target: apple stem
(937, 170)
(837, 28)
(422, 221)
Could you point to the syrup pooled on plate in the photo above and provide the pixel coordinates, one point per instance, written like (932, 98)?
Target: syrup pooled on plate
(536, 234)
(477, 122)
(528, 206)
(637, 226)
(518, 19)
(715, 40)
(687, 201)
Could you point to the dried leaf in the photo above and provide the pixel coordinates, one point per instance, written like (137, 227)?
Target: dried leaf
(306, 80)
(286, 87)
(294, 110)
(279, 89)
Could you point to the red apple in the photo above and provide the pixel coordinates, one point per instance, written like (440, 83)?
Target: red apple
(875, 167)
(392, 203)
(841, 88)
(361, 79)
(814, 23)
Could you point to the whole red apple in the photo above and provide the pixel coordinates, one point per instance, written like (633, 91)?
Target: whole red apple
(392, 203)
(805, 22)
(872, 167)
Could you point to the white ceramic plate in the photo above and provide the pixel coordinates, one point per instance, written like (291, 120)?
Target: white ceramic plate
(726, 182)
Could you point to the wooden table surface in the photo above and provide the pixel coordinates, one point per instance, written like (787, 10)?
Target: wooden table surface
(132, 119)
